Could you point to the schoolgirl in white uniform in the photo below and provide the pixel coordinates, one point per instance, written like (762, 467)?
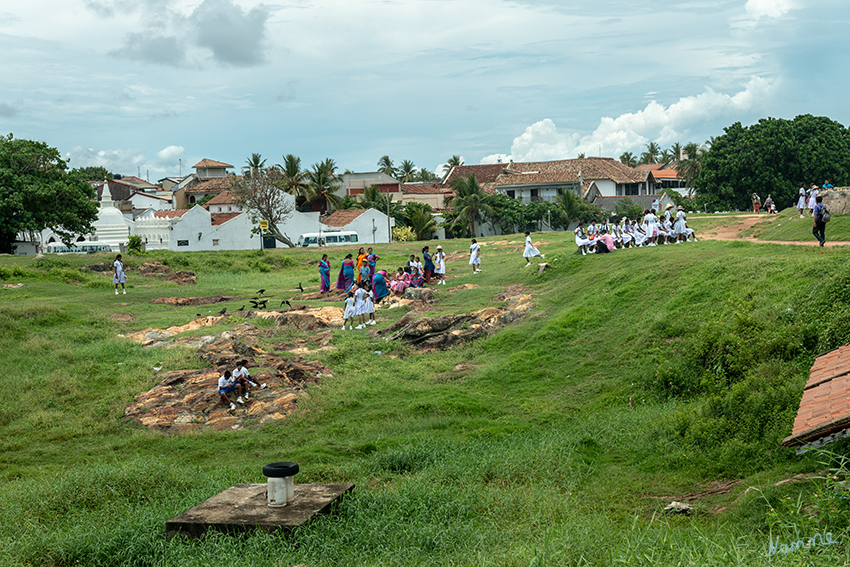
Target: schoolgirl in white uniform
(348, 314)
(370, 305)
(530, 251)
(651, 227)
(360, 305)
(801, 200)
(680, 226)
(118, 275)
(813, 197)
(582, 241)
(475, 256)
(440, 265)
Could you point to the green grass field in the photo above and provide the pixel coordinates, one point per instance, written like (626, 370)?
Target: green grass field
(516, 449)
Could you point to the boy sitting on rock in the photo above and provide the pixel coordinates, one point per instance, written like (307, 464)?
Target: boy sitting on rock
(227, 384)
(241, 374)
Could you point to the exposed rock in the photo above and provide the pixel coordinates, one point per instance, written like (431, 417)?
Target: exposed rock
(464, 286)
(419, 294)
(154, 269)
(149, 337)
(100, 267)
(542, 267)
(13, 285)
(679, 508)
(448, 330)
(183, 277)
(187, 400)
(122, 317)
(307, 320)
(180, 301)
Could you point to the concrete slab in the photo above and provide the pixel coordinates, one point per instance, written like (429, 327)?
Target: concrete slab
(244, 507)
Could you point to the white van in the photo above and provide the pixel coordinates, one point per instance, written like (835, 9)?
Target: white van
(81, 247)
(328, 238)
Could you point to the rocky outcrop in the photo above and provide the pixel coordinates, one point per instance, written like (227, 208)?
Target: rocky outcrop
(160, 337)
(181, 301)
(186, 400)
(837, 200)
(183, 277)
(419, 294)
(154, 269)
(446, 331)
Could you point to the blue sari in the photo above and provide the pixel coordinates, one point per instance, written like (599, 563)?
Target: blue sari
(380, 288)
(324, 276)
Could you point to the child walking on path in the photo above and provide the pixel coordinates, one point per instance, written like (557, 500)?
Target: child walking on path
(530, 251)
(475, 256)
(118, 276)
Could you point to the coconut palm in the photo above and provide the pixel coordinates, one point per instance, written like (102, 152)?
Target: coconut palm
(324, 183)
(569, 205)
(385, 165)
(295, 180)
(628, 158)
(253, 164)
(676, 150)
(424, 175)
(420, 219)
(651, 154)
(407, 171)
(446, 168)
(690, 167)
(470, 202)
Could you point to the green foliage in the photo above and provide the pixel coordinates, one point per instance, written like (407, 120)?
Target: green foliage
(469, 201)
(403, 234)
(134, 244)
(93, 173)
(421, 220)
(625, 207)
(773, 156)
(36, 193)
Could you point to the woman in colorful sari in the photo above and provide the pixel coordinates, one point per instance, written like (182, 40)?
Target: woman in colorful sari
(380, 290)
(324, 274)
(401, 281)
(346, 274)
(429, 264)
(361, 261)
(372, 260)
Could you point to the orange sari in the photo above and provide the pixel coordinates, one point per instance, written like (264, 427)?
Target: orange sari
(362, 260)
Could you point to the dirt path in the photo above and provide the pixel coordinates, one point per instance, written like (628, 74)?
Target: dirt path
(731, 232)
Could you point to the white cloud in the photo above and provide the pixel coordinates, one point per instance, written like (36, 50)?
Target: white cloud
(116, 161)
(170, 154)
(631, 131)
(768, 8)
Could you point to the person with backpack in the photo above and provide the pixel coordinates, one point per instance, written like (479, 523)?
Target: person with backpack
(821, 218)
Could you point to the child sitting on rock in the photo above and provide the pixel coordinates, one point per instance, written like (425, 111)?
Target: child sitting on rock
(241, 374)
(227, 384)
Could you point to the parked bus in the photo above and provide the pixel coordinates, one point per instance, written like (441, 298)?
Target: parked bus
(82, 247)
(328, 238)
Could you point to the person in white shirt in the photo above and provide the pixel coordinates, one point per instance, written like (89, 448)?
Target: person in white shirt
(530, 251)
(226, 384)
(241, 374)
(582, 241)
(440, 266)
(475, 256)
(118, 275)
(348, 313)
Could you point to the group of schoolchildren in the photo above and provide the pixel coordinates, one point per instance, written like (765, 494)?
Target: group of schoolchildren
(652, 230)
(237, 381)
(807, 199)
(418, 274)
(360, 302)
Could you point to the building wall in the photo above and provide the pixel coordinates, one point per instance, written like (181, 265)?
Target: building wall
(145, 202)
(371, 227)
(435, 200)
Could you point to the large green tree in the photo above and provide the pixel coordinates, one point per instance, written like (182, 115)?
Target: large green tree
(37, 192)
(263, 194)
(773, 156)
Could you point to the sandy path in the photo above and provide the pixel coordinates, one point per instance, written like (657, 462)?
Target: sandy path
(731, 231)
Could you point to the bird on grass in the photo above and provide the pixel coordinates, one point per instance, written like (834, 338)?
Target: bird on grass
(261, 292)
(301, 289)
(287, 304)
(241, 308)
(198, 314)
(223, 311)
(262, 303)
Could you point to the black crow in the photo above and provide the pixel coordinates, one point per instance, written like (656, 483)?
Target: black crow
(223, 311)
(261, 292)
(301, 289)
(241, 308)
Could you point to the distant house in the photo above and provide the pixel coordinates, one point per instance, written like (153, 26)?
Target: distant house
(432, 194)
(224, 202)
(369, 224)
(210, 179)
(140, 184)
(142, 200)
(659, 202)
(665, 176)
(354, 184)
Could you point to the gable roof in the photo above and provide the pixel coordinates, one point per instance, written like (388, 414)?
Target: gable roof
(342, 217)
(484, 173)
(223, 198)
(425, 189)
(151, 195)
(170, 214)
(213, 185)
(221, 218)
(209, 163)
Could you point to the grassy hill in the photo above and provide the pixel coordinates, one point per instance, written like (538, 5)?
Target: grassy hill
(516, 449)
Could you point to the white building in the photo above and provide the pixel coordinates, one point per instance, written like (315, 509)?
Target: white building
(142, 200)
(370, 224)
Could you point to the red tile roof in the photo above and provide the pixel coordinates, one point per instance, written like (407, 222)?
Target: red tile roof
(170, 214)
(343, 216)
(424, 189)
(210, 163)
(486, 173)
(825, 407)
(214, 185)
(221, 218)
(666, 174)
(223, 198)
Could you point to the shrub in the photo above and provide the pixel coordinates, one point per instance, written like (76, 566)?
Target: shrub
(134, 244)
(47, 263)
(403, 234)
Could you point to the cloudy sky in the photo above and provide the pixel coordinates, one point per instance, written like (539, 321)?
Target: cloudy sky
(136, 85)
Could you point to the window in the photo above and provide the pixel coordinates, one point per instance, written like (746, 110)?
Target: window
(215, 241)
(332, 239)
(512, 194)
(182, 243)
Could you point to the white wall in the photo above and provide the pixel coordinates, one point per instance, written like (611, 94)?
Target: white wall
(371, 227)
(148, 202)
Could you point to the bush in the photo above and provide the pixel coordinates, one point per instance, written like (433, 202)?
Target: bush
(134, 244)
(47, 263)
(403, 234)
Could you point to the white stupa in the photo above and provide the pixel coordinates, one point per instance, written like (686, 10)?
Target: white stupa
(110, 227)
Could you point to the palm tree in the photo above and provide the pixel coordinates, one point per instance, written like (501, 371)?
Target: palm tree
(569, 204)
(407, 171)
(420, 219)
(470, 202)
(690, 167)
(295, 180)
(253, 164)
(385, 165)
(424, 175)
(455, 160)
(651, 153)
(324, 182)
(676, 150)
(580, 156)
(628, 158)
(666, 156)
